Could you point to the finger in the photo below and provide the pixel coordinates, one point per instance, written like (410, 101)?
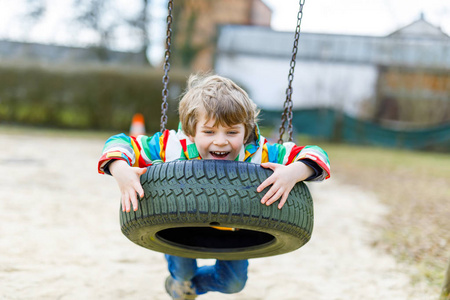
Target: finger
(275, 197)
(127, 202)
(139, 190)
(269, 165)
(123, 202)
(134, 200)
(265, 184)
(283, 200)
(141, 171)
(269, 194)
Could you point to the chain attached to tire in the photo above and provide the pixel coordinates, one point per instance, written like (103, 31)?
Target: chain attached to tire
(165, 79)
(287, 113)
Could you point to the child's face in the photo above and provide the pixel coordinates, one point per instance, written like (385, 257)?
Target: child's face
(218, 142)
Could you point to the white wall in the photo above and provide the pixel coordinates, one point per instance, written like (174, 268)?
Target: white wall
(316, 84)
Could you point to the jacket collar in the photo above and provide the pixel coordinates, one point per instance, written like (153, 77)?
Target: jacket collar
(252, 146)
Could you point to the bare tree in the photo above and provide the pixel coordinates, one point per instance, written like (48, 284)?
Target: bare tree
(91, 15)
(141, 24)
(96, 15)
(103, 19)
(35, 11)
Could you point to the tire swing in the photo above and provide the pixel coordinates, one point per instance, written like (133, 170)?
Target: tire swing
(210, 208)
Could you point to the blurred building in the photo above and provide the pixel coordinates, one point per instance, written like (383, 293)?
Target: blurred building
(196, 22)
(50, 54)
(402, 78)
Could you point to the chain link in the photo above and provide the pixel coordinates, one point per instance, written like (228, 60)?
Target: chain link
(287, 113)
(165, 79)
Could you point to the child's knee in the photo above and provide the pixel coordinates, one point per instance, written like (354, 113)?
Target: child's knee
(235, 286)
(235, 277)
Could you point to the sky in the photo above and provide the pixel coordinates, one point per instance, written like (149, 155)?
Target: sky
(358, 17)
(361, 17)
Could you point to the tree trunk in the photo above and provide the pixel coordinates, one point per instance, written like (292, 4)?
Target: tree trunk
(143, 24)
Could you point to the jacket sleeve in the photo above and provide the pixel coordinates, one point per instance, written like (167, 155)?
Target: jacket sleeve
(313, 156)
(140, 151)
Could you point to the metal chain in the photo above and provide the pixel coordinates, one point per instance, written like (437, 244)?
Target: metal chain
(165, 79)
(287, 113)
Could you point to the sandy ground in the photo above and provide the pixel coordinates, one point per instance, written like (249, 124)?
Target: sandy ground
(60, 237)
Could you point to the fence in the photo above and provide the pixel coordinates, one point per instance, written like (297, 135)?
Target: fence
(332, 125)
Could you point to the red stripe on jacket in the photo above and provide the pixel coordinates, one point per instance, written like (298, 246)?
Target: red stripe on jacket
(294, 152)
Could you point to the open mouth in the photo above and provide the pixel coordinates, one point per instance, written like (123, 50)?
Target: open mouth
(219, 154)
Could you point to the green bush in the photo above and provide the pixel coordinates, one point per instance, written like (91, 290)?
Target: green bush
(85, 97)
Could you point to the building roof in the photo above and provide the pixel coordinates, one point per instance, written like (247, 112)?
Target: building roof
(419, 29)
(401, 48)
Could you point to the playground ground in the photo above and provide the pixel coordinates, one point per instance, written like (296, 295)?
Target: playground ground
(60, 236)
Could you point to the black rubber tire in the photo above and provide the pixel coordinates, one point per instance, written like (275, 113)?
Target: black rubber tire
(183, 199)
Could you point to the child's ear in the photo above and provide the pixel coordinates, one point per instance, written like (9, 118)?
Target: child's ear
(191, 138)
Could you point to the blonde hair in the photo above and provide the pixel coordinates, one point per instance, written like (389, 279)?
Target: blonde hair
(221, 99)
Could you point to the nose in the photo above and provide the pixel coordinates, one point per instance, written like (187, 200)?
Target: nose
(220, 140)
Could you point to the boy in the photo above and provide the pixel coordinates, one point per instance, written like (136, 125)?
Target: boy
(218, 121)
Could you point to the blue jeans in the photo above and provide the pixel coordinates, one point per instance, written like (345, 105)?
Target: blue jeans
(226, 276)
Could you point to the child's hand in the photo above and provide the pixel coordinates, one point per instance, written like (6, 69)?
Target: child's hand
(283, 180)
(128, 179)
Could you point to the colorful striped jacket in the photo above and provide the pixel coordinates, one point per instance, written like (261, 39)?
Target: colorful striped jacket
(143, 151)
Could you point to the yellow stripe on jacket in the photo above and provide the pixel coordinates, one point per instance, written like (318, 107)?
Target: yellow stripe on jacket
(137, 153)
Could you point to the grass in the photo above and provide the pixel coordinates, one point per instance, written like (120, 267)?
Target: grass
(415, 187)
